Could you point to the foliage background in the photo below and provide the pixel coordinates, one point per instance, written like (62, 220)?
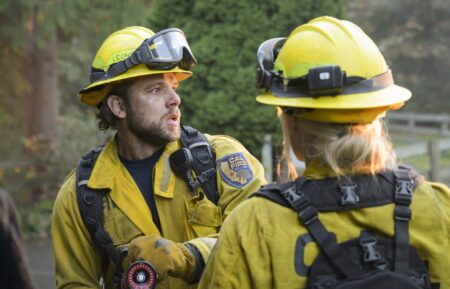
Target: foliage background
(218, 99)
(225, 36)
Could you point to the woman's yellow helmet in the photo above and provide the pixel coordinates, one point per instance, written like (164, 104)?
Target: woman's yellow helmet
(328, 70)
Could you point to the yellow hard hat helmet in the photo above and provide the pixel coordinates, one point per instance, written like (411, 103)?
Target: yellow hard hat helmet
(133, 52)
(328, 70)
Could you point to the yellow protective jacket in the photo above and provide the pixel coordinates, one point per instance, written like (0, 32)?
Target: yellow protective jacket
(257, 244)
(126, 214)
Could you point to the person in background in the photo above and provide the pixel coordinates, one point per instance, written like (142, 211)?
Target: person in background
(14, 268)
(152, 203)
(355, 218)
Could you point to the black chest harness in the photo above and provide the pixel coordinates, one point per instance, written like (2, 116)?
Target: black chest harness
(361, 262)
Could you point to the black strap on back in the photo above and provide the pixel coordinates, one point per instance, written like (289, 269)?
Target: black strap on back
(326, 241)
(90, 204)
(203, 161)
(308, 197)
(333, 194)
(404, 188)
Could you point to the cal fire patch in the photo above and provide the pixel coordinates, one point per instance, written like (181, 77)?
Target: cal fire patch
(235, 170)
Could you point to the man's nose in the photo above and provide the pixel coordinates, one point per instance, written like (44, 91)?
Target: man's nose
(173, 99)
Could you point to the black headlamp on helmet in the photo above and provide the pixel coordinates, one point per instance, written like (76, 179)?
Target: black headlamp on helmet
(320, 80)
(165, 50)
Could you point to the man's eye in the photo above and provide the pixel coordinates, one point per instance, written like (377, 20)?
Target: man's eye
(155, 90)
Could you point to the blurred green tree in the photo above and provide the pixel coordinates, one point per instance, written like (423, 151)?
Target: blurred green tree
(224, 36)
(47, 49)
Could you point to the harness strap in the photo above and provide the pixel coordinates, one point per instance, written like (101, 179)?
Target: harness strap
(273, 193)
(203, 161)
(390, 187)
(327, 241)
(90, 204)
(332, 194)
(402, 215)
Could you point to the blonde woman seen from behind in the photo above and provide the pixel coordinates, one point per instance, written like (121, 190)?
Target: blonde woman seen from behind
(355, 218)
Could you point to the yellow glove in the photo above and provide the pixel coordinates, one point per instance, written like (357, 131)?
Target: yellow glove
(168, 258)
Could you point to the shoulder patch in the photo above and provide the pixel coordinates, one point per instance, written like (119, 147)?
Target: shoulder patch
(235, 170)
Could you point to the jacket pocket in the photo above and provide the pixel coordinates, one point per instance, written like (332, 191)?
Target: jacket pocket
(204, 216)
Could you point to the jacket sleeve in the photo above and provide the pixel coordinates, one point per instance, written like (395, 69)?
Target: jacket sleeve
(239, 174)
(443, 195)
(241, 258)
(77, 262)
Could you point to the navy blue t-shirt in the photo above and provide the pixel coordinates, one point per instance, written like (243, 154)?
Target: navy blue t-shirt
(142, 171)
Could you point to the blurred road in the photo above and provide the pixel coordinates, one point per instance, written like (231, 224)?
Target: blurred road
(42, 264)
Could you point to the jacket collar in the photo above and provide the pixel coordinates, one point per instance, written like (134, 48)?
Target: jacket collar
(315, 169)
(109, 170)
(106, 167)
(109, 173)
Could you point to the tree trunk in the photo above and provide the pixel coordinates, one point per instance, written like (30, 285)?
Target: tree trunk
(41, 103)
(41, 100)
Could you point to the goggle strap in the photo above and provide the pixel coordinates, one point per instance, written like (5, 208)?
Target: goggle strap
(117, 68)
(134, 59)
(96, 75)
(114, 70)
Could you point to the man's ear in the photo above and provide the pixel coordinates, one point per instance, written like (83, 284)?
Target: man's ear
(117, 106)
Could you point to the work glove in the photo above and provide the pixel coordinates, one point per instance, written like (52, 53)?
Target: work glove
(167, 257)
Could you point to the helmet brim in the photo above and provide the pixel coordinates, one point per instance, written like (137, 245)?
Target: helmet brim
(386, 97)
(95, 92)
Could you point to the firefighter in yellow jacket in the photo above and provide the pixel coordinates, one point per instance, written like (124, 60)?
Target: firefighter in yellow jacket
(148, 208)
(332, 87)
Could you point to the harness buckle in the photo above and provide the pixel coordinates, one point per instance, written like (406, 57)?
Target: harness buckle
(296, 199)
(370, 251)
(349, 196)
(403, 192)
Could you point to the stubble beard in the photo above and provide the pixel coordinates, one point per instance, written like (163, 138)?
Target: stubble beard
(152, 133)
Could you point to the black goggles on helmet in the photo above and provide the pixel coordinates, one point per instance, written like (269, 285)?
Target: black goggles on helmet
(266, 55)
(320, 80)
(165, 50)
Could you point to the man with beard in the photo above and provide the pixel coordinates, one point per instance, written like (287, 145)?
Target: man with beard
(147, 211)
